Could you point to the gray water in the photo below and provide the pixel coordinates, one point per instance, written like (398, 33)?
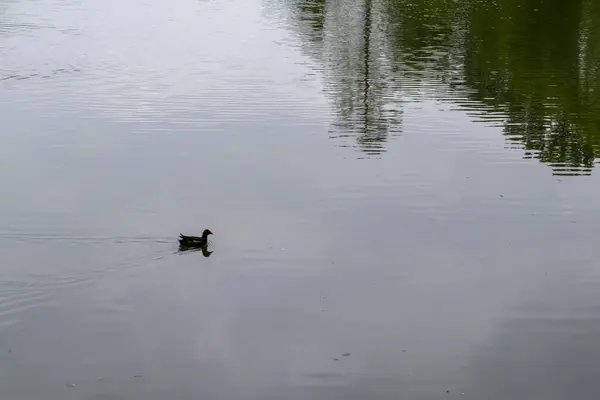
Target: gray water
(400, 208)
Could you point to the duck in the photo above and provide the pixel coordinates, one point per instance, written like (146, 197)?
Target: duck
(194, 241)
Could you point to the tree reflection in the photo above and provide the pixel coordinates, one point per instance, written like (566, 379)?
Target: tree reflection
(350, 41)
(530, 66)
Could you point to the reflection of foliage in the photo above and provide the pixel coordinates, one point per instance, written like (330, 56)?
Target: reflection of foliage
(313, 12)
(525, 56)
(535, 62)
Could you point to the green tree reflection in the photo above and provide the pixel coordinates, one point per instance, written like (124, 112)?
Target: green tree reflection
(530, 66)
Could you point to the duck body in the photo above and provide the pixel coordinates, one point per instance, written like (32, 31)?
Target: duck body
(194, 241)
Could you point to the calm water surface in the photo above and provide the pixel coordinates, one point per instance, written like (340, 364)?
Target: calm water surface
(411, 182)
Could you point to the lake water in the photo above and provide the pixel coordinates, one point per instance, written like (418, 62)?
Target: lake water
(403, 196)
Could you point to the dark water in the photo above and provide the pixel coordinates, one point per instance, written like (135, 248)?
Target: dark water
(409, 182)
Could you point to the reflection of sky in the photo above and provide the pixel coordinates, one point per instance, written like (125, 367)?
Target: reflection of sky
(317, 253)
(172, 77)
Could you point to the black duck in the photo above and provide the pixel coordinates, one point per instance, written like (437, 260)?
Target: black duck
(194, 241)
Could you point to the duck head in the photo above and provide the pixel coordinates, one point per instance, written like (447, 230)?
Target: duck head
(206, 233)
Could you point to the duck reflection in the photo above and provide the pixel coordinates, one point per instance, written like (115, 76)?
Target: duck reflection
(203, 249)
